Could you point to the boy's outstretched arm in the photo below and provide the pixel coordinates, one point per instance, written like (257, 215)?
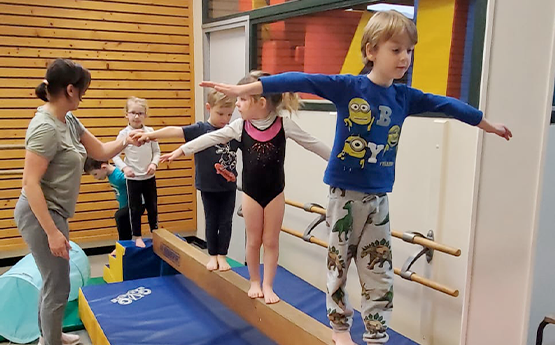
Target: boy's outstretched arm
(496, 128)
(331, 87)
(420, 102)
(235, 90)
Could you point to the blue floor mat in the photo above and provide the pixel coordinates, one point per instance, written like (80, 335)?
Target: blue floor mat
(312, 301)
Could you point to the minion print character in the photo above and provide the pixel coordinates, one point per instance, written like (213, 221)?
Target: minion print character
(393, 137)
(355, 146)
(359, 113)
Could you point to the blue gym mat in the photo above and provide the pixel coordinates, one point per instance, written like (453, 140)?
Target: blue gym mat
(172, 310)
(312, 302)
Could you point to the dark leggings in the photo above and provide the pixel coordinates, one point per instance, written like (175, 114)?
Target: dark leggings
(123, 223)
(218, 212)
(136, 191)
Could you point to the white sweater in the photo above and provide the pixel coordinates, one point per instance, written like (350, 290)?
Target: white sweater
(235, 129)
(138, 158)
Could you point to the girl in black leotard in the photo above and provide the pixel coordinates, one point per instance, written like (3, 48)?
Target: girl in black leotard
(262, 133)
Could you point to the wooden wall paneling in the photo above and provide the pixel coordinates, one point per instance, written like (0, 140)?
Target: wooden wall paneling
(137, 48)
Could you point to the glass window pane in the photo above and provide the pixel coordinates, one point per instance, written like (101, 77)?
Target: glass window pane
(222, 8)
(325, 42)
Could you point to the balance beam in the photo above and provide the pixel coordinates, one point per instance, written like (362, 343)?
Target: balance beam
(281, 322)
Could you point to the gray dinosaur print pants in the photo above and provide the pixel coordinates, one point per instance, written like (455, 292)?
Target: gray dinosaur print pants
(359, 230)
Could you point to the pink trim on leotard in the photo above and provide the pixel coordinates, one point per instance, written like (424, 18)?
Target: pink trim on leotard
(264, 135)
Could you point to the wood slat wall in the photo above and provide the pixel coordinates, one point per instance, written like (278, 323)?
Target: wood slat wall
(137, 48)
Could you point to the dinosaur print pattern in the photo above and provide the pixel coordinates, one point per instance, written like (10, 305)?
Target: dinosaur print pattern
(338, 319)
(379, 253)
(345, 224)
(335, 262)
(375, 325)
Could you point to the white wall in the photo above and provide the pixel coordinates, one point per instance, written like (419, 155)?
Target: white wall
(543, 302)
(424, 315)
(517, 91)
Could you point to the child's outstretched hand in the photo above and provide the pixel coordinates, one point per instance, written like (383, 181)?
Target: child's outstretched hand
(230, 90)
(130, 140)
(496, 128)
(501, 130)
(235, 90)
(142, 137)
(169, 157)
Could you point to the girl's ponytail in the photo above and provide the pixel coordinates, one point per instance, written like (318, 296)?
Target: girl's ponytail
(288, 101)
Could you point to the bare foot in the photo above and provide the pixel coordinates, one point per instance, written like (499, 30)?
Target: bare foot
(270, 296)
(140, 243)
(222, 262)
(342, 338)
(255, 291)
(212, 263)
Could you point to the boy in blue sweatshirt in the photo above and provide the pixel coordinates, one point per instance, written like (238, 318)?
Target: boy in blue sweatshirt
(116, 178)
(371, 110)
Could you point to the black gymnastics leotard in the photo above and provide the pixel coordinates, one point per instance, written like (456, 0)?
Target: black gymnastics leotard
(263, 161)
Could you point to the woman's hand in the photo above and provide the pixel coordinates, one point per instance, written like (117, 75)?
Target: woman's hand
(133, 136)
(59, 245)
(142, 137)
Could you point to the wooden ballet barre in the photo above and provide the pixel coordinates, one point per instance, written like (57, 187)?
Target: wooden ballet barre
(11, 172)
(281, 322)
(408, 275)
(298, 234)
(407, 237)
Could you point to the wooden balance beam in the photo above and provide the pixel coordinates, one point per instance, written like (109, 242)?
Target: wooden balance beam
(280, 322)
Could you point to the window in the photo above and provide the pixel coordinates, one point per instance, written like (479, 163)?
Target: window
(325, 42)
(224, 8)
(323, 36)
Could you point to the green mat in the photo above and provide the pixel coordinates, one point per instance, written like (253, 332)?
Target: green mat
(234, 263)
(72, 322)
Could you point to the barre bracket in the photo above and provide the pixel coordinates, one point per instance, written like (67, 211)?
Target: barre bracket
(409, 237)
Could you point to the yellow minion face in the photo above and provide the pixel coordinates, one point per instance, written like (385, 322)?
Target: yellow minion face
(393, 136)
(359, 113)
(355, 146)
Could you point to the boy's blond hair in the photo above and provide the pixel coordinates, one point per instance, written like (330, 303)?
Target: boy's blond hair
(384, 25)
(216, 98)
(140, 101)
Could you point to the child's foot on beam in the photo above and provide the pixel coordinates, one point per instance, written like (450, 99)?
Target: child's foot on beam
(255, 291)
(212, 264)
(222, 263)
(270, 296)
